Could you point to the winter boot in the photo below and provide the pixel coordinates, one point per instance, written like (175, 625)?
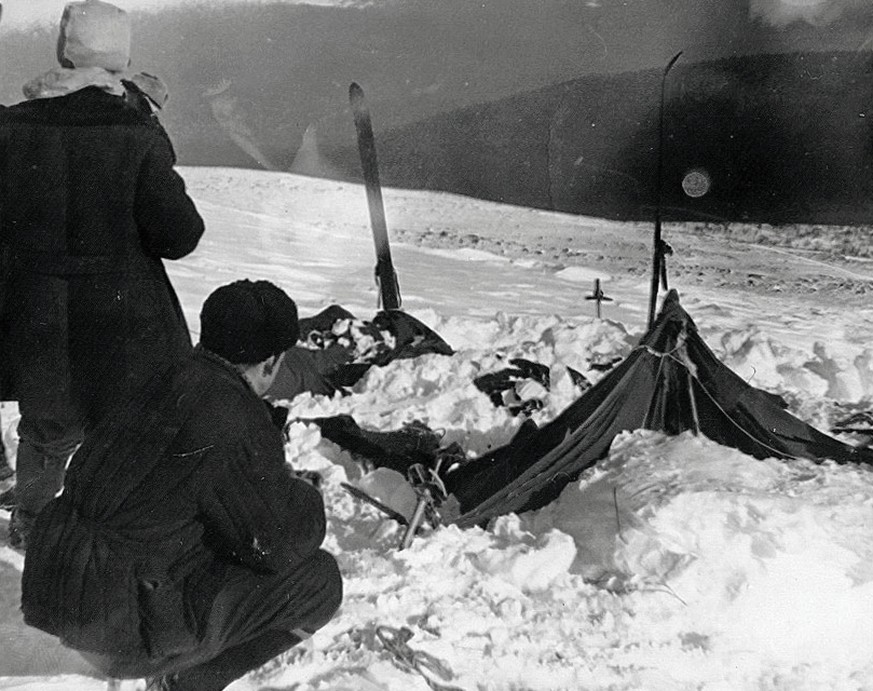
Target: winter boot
(6, 470)
(20, 525)
(7, 499)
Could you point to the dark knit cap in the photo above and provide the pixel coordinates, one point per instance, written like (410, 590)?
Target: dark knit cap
(246, 322)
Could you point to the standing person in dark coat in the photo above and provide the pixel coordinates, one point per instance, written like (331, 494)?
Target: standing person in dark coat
(89, 206)
(5, 469)
(183, 546)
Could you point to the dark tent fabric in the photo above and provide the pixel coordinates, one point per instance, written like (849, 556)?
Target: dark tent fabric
(857, 423)
(412, 338)
(328, 362)
(671, 382)
(501, 384)
(397, 450)
(305, 370)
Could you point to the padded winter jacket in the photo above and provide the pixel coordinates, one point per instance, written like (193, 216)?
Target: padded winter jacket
(89, 206)
(162, 497)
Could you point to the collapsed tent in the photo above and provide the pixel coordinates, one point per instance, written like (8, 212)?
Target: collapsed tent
(510, 387)
(671, 382)
(336, 349)
(397, 450)
(415, 443)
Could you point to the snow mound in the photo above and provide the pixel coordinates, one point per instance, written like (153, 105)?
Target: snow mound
(766, 556)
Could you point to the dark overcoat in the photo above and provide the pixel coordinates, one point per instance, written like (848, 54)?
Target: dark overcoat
(160, 500)
(89, 206)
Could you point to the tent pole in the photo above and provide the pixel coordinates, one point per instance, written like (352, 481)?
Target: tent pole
(694, 415)
(657, 245)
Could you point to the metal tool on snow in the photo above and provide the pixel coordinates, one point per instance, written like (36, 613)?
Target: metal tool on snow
(431, 492)
(434, 670)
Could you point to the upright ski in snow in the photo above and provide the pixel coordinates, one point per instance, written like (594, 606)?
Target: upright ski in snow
(389, 288)
(659, 247)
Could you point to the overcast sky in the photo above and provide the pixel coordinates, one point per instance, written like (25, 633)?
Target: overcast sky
(19, 13)
(816, 12)
(842, 24)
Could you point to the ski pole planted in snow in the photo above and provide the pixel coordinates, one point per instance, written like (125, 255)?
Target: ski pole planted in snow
(389, 288)
(659, 273)
(598, 295)
(430, 491)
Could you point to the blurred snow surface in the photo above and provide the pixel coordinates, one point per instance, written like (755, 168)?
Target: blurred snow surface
(676, 563)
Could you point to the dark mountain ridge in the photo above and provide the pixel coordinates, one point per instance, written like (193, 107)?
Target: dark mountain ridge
(551, 104)
(781, 139)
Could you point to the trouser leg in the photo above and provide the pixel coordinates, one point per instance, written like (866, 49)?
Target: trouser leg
(44, 448)
(235, 662)
(255, 618)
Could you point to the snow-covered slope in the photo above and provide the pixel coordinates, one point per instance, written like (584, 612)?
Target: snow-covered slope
(677, 564)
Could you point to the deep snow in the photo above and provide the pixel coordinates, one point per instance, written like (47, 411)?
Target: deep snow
(675, 564)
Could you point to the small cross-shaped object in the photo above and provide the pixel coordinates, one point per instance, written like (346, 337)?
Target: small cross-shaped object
(598, 295)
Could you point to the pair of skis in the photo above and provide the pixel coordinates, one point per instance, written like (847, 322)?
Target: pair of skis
(386, 276)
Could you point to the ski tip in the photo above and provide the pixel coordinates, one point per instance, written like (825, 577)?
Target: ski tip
(355, 90)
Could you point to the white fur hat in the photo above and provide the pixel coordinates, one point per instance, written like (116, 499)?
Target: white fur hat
(94, 34)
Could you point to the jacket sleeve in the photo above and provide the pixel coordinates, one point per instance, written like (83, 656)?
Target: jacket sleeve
(168, 222)
(255, 512)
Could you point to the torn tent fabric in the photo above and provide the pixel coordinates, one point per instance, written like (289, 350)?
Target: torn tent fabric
(857, 423)
(416, 443)
(397, 450)
(337, 349)
(411, 337)
(671, 382)
(507, 387)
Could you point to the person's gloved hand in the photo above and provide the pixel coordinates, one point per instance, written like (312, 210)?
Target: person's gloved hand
(278, 414)
(312, 477)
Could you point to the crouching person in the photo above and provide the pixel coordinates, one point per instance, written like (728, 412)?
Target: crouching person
(183, 548)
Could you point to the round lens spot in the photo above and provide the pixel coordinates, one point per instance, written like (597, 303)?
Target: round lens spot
(696, 182)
